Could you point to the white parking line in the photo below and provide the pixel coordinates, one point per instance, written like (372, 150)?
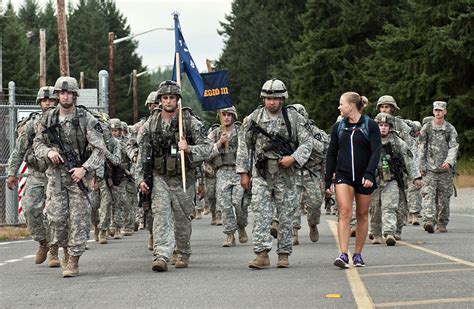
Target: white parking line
(12, 261)
(14, 242)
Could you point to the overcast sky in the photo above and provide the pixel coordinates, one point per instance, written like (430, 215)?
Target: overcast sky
(199, 23)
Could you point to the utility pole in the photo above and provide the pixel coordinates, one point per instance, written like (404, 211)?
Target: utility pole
(1, 56)
(62, 39)
(111, 76)
(135, 96)
(81, 80)
(42, 75)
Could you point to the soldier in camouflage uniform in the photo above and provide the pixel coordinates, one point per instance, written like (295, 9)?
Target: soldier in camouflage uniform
(387, 104)
(171, 205)
(273, 177)
(34, 195)
(385, 199)
(102, 213)
(131, 223)
(229, 193)
(438, 148)
(310, 191)
(144, 214)
(68, 210)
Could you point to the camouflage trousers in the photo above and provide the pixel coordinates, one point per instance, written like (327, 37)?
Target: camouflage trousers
(229, 194)
(414, 198)
(436, 193)
(33, 202)
(279, 196)
(210, 196)
(119, 203)
(68, 212)
(130, 206)
(105, 200)
(171, 208)
(309, 195)
(384, 209)
(402, 209)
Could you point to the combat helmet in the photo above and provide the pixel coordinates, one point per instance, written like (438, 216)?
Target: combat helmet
(274, 88)
(384, 117)
(427, 119)
(168, 87)
(387, 99)
(46, 92)
(115, 123)
(300, 109)
(151, 98)
(230, 110)
(66, 83)
(124, 126)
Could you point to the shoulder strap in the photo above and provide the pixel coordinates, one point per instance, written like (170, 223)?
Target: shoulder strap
(287, 122)
(364, 128)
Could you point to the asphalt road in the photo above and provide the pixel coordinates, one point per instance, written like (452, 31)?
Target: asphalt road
(423, 271)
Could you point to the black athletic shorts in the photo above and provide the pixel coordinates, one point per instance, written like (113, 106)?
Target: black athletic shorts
(357, 185)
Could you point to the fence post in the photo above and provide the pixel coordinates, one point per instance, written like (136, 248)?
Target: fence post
(11, 200)
(104, 90)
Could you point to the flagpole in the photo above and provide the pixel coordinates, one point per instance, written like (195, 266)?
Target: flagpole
(180, 123)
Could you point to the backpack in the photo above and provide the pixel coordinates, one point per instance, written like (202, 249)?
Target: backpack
(364, 128)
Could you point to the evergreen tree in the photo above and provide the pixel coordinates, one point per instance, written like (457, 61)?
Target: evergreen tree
(429, 57)
(17, 55)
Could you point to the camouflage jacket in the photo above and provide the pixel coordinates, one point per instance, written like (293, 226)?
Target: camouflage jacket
(437, 145)
(150, 137)
(400, 151)
(300, 131)
(79, 131)
(223, 156)
(24, 147)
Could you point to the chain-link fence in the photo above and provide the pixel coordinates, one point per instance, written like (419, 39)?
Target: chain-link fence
(15, 105)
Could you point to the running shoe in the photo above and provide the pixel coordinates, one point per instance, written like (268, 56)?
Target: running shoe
(357, 260)
(342, 261)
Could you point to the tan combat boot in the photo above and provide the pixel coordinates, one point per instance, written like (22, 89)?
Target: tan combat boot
(441, 228)
(410, 218)
(65, 258)
(103, 237)
(72, 267)
(243, 238)
(283, 260)
(53, 256)
(313, 233)
(213, 217)
(205, 210)
(118, 233)
(182, 262)
(377, 240)
(198, 215)
(150, 242)
(390, 240)
(174, 257)
(218, 217)
(262, 261)
(296, 241)
(127, 232)
(159, 265)
(42, 252)
(230, 240)
(274, 229)
(353, 231)
(111, 232)
(414, 220)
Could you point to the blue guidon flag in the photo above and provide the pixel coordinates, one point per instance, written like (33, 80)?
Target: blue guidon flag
(187, 64)
(216, 91)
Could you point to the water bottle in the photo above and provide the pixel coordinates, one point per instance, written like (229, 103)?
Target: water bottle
(386, 170)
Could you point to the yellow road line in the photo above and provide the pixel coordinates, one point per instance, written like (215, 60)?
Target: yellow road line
(426, 302)
(359, 291)
(403, 273)
(413, 265)
(449, 257)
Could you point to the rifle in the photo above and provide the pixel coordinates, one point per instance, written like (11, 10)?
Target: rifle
(278, 143)
(70, 158)
(397, 167)
(144, 200)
